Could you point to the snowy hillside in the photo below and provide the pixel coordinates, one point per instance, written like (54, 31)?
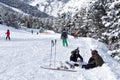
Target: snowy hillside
(14, 9)
(23, 7)
(54, 7)
(21, 58)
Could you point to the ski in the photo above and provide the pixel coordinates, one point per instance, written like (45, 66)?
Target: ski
(58, 69)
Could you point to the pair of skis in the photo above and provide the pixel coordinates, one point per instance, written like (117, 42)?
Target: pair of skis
(59, 69)
(53, 56)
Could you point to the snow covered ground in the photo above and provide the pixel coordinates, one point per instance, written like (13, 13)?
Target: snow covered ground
(21, 58)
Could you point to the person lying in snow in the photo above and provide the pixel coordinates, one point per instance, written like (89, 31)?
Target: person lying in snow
(75, 59)
(94, 61)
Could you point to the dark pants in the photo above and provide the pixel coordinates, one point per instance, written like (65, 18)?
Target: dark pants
(88, 66)
(7, 37)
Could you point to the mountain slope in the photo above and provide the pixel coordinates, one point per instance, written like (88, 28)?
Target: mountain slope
(24, 7)
(22, 57)
(54, 7)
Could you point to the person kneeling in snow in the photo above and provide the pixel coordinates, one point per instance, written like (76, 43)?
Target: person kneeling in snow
(75, 59)
(94, 61)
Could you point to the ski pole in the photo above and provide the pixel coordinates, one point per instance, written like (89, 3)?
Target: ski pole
(52, 44)
(55, 53)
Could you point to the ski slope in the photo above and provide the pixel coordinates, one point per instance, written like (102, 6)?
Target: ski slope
(21, 58)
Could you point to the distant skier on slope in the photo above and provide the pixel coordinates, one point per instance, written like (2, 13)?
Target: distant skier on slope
(74, 33)
(75, 59)
(94, 61)
(64, 37)
(8, 34)
(32, 31)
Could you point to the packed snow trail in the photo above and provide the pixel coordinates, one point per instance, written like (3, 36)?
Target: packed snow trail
(21, 58)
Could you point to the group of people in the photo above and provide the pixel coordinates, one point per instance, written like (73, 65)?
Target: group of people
(77, 60)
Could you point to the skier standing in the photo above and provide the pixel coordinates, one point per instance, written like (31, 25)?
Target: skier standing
(8, 34)
(64, 37)
(32, 31)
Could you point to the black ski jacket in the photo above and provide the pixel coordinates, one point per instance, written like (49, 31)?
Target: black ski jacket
(74, 57)
(64, 35)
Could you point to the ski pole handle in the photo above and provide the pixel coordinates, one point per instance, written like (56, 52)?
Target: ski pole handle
(55, 41)
(52, 43)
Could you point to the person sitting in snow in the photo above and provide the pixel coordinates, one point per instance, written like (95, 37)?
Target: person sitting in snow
(75, 58)
(8, 34)
(94, 61)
